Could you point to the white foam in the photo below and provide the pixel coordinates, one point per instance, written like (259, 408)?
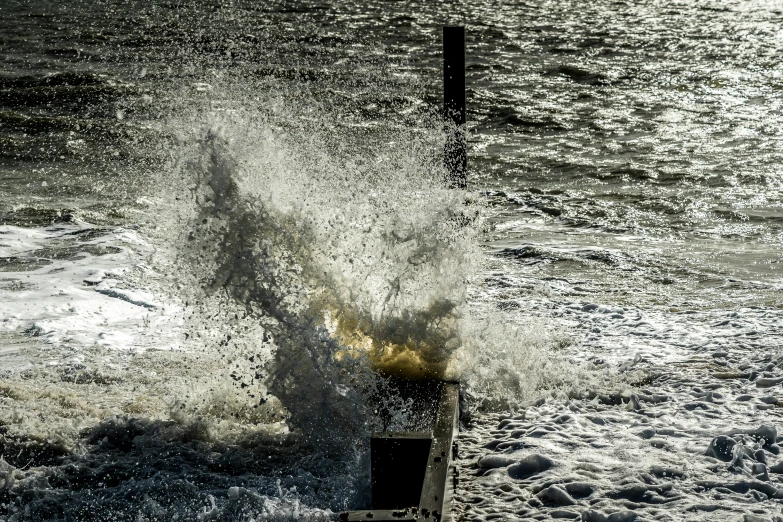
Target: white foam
(78, 299)
(635, 445)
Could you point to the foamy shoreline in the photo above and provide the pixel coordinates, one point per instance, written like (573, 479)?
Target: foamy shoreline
(693, 436)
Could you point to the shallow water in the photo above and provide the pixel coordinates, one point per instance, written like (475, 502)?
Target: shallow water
(219, 221)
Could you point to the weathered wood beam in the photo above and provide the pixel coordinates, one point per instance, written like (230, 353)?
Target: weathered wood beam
(437, 487)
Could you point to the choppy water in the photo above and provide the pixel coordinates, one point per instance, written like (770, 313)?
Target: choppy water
(209, 209)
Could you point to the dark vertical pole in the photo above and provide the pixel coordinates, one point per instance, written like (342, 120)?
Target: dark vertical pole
(455, 154)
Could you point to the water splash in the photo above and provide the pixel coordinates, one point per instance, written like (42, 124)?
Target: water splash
(354, 266)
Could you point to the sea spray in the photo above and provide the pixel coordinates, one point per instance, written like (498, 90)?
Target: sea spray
(353, 267)
(347, 264)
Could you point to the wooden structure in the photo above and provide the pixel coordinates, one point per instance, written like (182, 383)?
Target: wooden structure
(455, 154)
(413, 476)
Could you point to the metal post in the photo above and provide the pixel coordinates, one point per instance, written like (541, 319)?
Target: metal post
(455, 154)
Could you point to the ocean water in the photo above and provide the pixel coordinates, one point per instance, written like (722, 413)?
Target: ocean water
(224, 232)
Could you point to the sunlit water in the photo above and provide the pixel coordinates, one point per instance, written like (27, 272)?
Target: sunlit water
(221, 226)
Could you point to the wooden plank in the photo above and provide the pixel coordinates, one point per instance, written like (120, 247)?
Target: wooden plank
(380, 515)
(437, 494)
(455, 153)
(435, 502)
(399, 464)
(454, 99)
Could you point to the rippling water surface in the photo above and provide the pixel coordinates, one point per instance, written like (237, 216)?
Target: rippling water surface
(208, 209)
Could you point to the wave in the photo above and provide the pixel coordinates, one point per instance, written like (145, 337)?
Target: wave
(357, 268)
(352, 260)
